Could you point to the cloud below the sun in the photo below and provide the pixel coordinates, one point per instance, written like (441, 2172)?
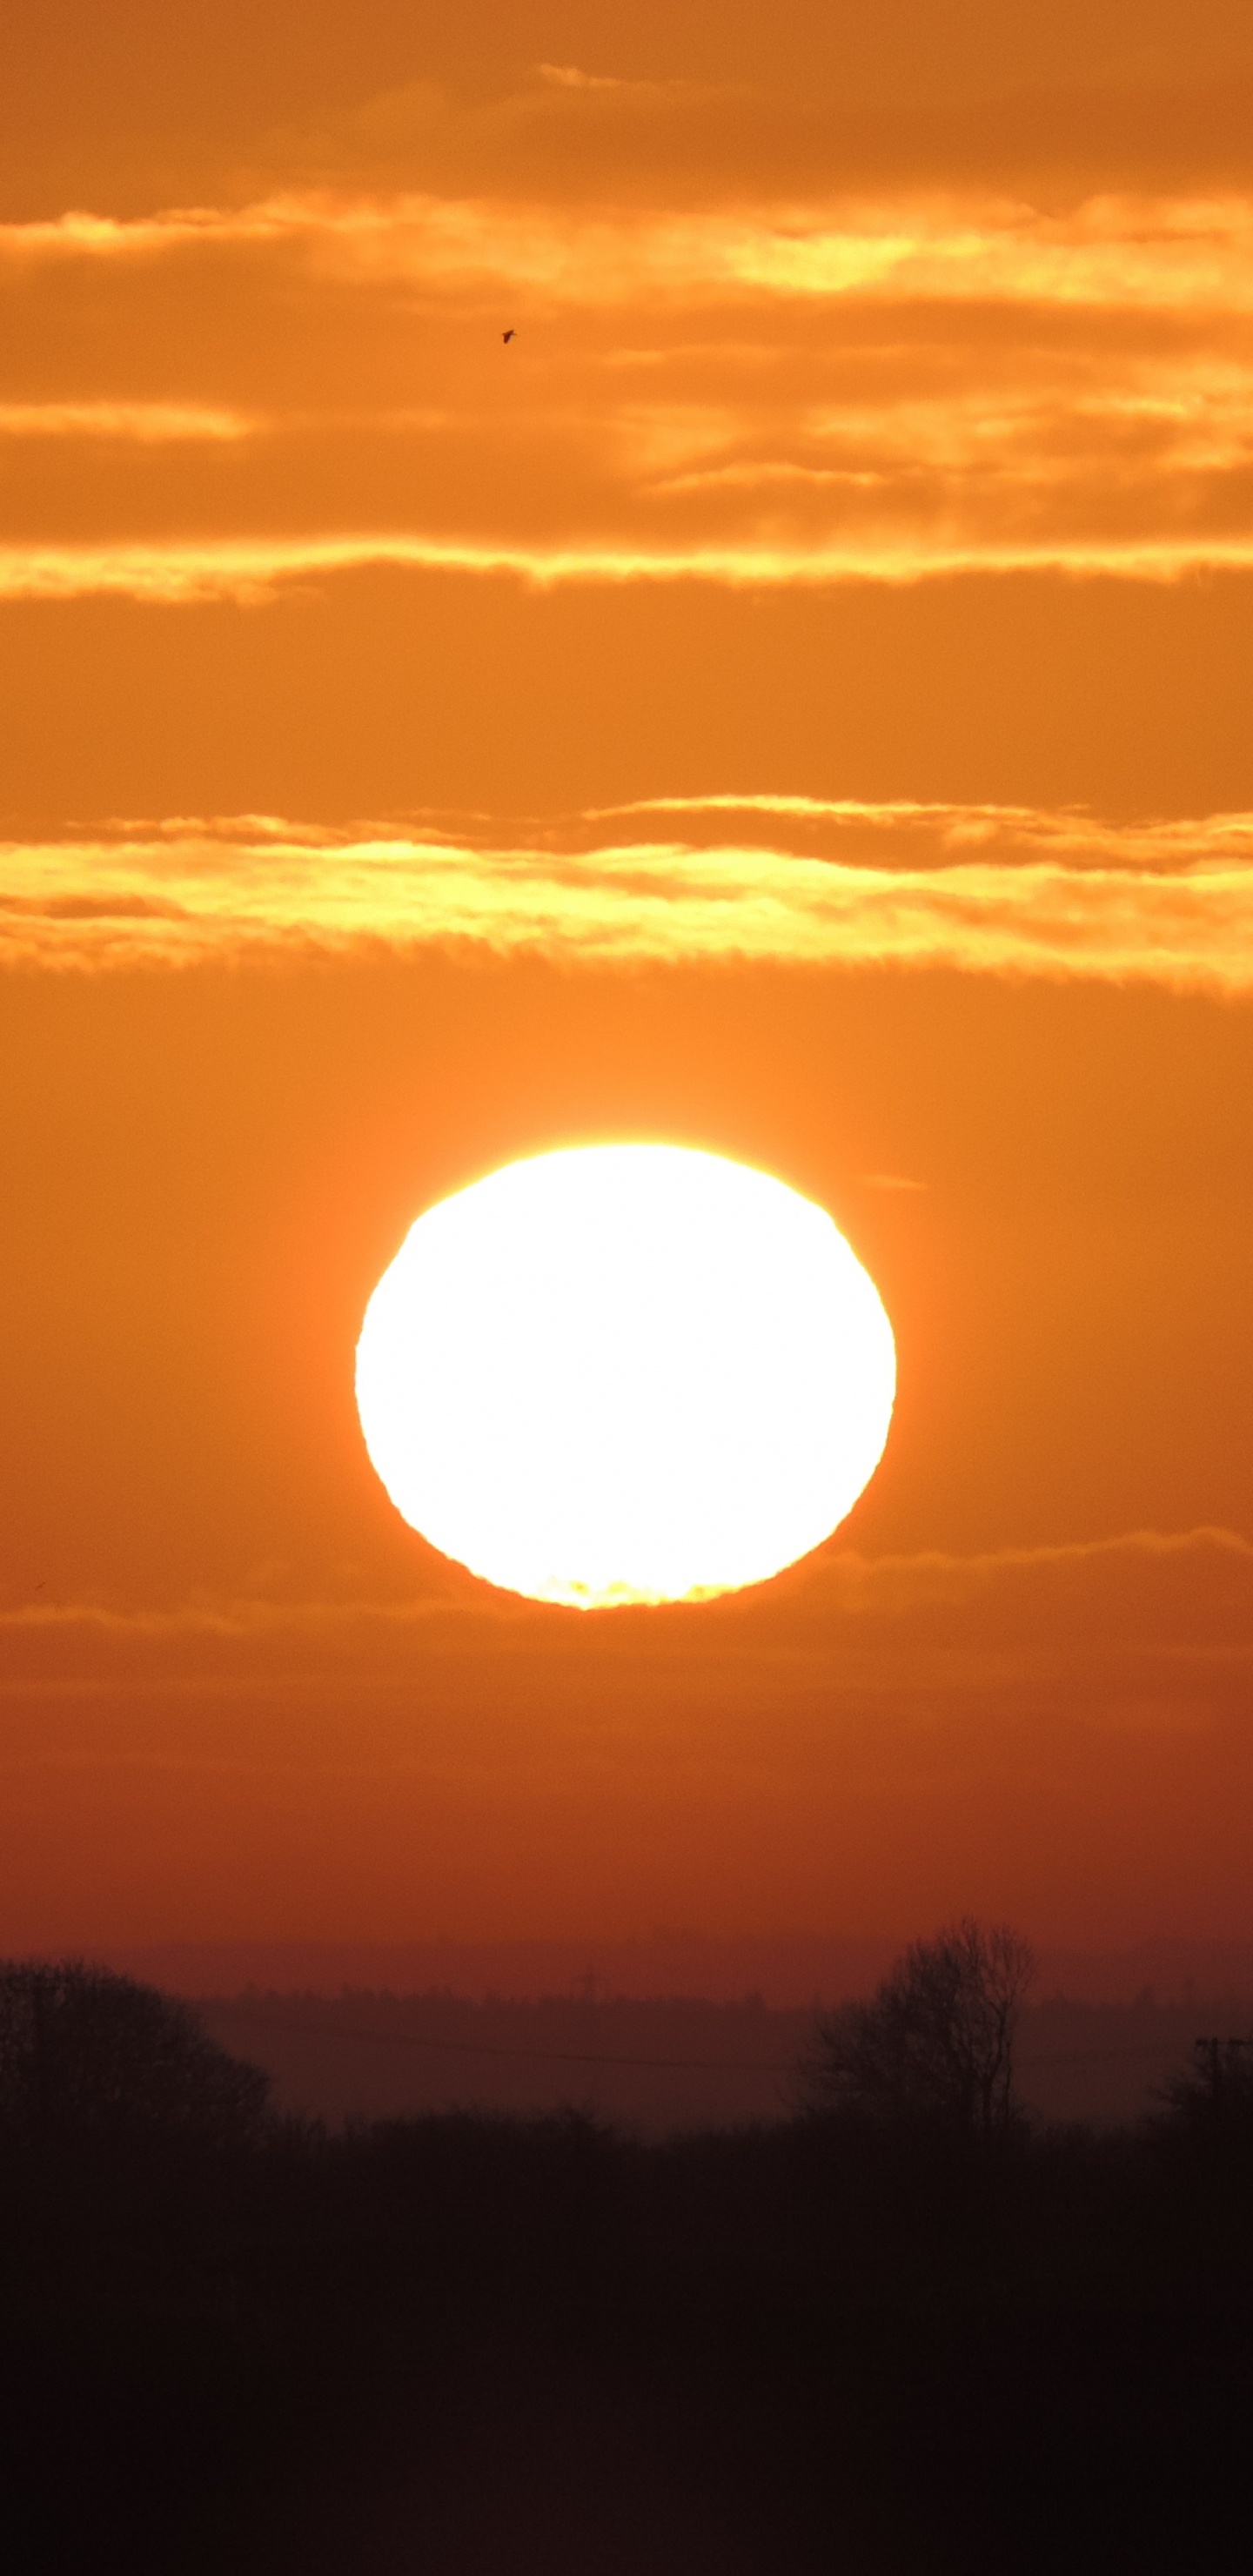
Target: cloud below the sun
(1151, 1630)
(789, 881)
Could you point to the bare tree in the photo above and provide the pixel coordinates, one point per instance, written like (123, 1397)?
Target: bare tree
(936, 2041)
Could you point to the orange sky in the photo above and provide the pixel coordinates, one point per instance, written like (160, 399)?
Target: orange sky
(792, 700)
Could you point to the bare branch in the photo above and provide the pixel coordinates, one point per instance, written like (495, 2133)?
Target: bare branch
(937, 2039)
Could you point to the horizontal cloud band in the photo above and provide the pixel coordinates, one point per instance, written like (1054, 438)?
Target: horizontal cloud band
(930, 1581)
(1163, 253)
(982, 889)
(1143, 1632)
(250, 569)
(787, 391)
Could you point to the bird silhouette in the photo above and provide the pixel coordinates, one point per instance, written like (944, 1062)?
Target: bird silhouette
(507, 336)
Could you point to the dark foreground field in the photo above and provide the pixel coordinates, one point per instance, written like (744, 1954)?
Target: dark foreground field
(485, 2348)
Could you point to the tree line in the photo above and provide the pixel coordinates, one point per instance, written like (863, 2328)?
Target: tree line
(89, 2054)
(903, 2329)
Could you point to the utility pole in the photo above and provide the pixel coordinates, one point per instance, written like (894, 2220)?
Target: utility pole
(1220, 2058)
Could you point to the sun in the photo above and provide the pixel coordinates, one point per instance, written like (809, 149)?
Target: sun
(625, 1373)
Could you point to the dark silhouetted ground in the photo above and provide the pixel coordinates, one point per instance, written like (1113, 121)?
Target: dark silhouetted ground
(484, 2347)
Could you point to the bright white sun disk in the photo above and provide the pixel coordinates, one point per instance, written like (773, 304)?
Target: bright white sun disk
(625, 1373)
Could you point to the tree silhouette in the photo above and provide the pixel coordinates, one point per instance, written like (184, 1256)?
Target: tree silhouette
(89, 2056)
(936, 2041)
(1211, 2105)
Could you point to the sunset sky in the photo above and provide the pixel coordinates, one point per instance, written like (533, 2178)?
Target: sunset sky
(793, 700)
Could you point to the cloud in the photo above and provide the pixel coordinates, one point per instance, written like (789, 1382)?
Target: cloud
(1143, 1620)
(250, 570)
(1051, 1734)
(568, 76)
(788, 392)
(152, 424)
(837, 1579)
(980, 889)
(1178, 1563)
(762, 100)
(1163, 255)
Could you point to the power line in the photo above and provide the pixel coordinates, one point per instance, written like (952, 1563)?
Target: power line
(553, 2056)
(668, 2065)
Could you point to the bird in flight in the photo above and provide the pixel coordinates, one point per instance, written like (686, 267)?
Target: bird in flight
(507, 336)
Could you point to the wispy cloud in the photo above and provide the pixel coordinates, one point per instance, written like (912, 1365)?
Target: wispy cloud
(793, 392)
(980, 889)
(252, 569)
(1163, 254)
(149, 424)
(1140, 1589)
